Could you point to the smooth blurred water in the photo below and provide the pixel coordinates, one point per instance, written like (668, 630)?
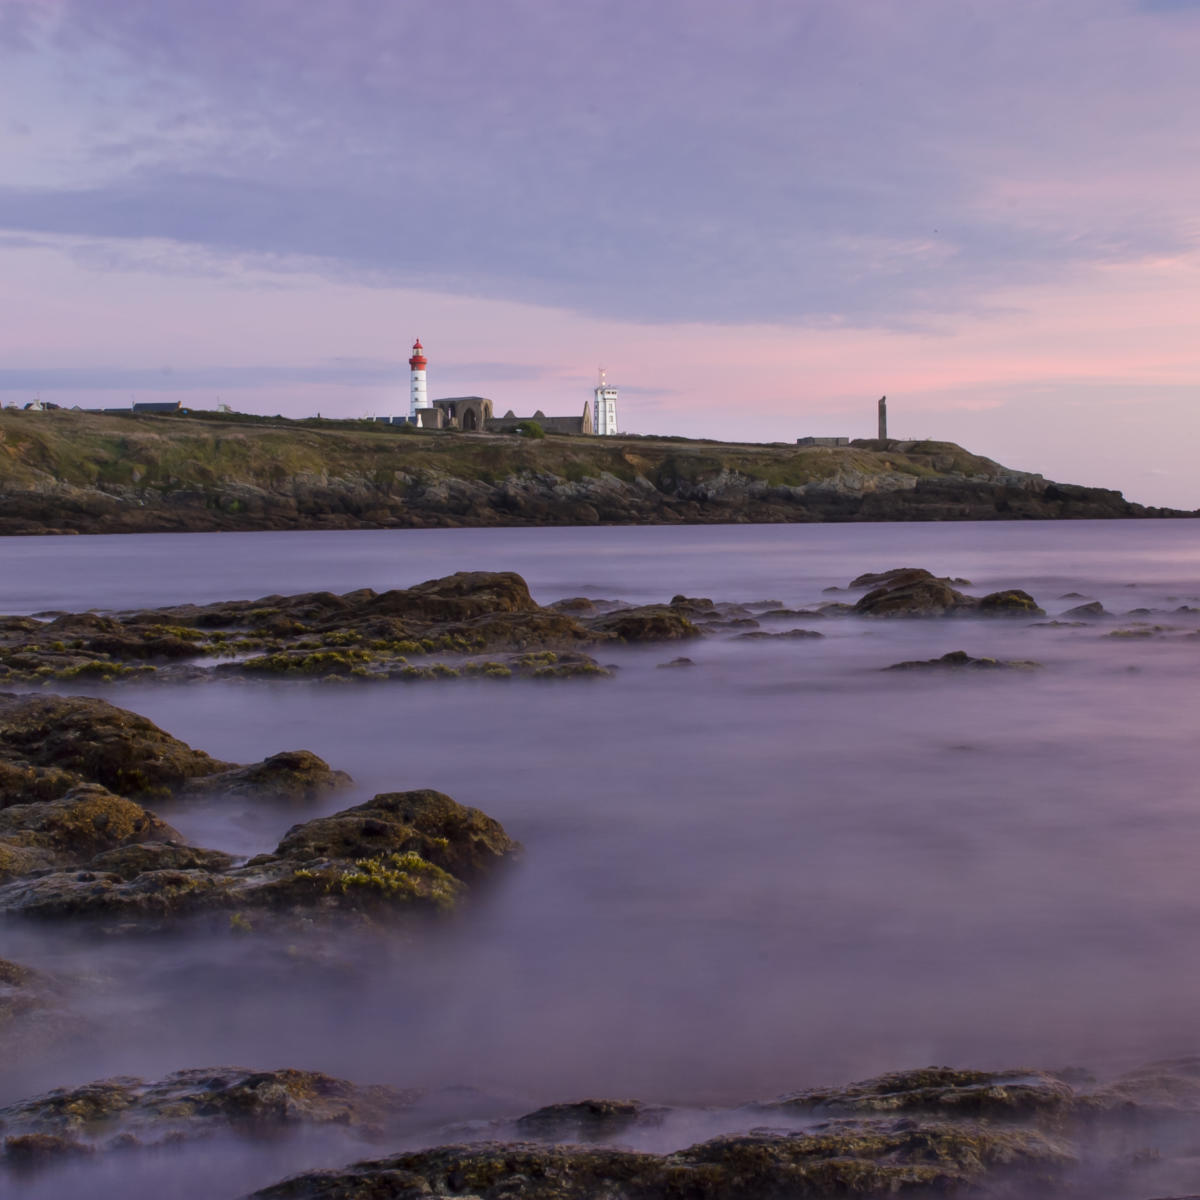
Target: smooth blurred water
(782, 866)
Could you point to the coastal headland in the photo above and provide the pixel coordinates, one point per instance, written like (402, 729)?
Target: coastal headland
(74, 472)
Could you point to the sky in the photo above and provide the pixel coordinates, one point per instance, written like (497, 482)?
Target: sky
(758, 216)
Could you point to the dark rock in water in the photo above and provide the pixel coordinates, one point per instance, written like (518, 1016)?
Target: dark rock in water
(1012, 602)
(457, 597)
(694, 607)
(677, 662)
(587, 1120)
(794, 634)
(650, 623)
(1092, 609)
(896, 577)
(914, 592)
(922, 596)
(960, 659)
(289, 775)
(124, 1112)
(1072, 596)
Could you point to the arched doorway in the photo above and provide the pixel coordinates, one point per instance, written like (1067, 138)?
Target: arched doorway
(470, 422)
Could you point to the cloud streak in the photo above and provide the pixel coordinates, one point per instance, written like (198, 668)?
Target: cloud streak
(804, 163)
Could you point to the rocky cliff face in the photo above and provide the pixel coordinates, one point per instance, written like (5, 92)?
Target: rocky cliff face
(77, 472)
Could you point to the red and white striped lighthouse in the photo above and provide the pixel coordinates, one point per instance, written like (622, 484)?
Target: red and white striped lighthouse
(416, 366)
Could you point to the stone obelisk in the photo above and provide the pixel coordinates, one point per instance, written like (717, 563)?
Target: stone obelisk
(883, 422)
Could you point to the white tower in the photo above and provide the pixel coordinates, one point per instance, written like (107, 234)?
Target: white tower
(416, 365)
(604, 408)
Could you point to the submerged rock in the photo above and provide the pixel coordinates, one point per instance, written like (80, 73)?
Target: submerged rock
(759, 635)
(960, 659)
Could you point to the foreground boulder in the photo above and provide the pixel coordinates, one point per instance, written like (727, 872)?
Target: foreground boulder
(124, 1113)
(848, 1159)
(399, 852)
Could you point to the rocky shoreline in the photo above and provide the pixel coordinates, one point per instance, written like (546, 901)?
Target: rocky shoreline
(81, 846)
(936, 1131)
(65, 472)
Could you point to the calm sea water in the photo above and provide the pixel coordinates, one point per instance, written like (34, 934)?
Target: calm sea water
(777, 868)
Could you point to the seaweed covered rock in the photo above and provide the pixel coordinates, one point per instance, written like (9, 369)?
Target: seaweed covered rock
(1013, 602)
(125, 1112)
(51, 743)
(460, 840)
(650, 623)
(400, 852)
(72, 829)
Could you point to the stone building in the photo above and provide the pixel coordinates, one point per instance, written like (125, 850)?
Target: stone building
(576, 425)
(468, 413)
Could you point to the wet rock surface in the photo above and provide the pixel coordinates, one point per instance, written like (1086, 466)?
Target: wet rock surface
(89, 852)
(397, 853)
(362, 635)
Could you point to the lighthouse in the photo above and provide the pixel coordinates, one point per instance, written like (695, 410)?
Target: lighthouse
(416, 365)
(604, 407)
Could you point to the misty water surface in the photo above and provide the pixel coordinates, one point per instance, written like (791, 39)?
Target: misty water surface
(778, 868)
